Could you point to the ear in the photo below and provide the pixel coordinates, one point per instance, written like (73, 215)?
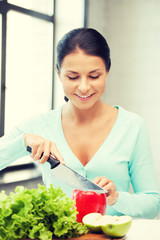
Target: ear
(57, 70)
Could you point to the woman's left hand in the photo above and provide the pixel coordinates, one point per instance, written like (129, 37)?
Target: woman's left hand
(109, 186)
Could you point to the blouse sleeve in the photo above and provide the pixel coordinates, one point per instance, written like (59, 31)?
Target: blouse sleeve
(12, 147)
(145, 202)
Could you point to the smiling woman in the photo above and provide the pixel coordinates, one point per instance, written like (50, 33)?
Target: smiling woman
(94, 67)
(104, 143)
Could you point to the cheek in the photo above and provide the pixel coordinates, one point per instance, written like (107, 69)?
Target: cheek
(101, 86)
(68, 86)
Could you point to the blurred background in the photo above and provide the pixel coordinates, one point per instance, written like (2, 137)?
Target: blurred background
(29, 32)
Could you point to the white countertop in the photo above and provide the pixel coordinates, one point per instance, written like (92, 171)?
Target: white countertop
(144, 229)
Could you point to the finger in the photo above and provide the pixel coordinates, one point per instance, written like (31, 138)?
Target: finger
(110, 187)
(46, 152)
(38, 154)
(56, 153)
(102, 181)
(97, 180)
(33, 151)
(112, 198)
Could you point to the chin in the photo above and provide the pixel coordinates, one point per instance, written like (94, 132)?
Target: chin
(84, 106)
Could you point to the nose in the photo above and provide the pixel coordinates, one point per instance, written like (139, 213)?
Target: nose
(84, 85)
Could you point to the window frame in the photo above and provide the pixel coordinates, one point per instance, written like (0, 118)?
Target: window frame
(4, 8)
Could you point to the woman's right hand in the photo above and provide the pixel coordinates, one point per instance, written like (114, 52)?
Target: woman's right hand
(41, 146)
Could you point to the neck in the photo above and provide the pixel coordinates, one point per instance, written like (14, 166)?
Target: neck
(84, 115)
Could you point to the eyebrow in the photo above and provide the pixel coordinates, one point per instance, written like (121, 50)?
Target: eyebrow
(89, 72)
(94, 70)
(72, 71)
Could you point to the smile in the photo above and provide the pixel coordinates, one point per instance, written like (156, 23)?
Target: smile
(84, 97)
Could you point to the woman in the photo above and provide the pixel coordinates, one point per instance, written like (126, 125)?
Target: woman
(106, 144)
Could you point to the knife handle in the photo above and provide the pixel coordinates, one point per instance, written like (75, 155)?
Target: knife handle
(53, 162)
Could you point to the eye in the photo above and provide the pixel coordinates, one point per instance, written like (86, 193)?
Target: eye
(94, 77)
(72, 78)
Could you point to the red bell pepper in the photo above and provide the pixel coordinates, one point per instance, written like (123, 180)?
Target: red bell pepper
(89, 202)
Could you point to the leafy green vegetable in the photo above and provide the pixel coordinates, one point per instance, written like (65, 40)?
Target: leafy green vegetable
(38, 214)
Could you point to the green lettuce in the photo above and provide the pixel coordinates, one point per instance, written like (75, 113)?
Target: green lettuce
(38, 214)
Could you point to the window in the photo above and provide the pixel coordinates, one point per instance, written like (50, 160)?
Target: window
(26, 70)
(29, 51)
(27, 60)
(43, 6)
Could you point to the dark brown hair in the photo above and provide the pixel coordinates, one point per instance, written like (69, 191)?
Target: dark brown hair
(87, 39)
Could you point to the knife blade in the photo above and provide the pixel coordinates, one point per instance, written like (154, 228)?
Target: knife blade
(71, 177)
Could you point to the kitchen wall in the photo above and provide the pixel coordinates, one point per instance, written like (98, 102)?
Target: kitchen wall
(132, 29)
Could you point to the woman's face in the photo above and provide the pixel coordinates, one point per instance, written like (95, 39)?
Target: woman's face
(83, 78)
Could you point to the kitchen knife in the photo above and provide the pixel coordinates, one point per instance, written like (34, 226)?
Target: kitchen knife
(70, 177)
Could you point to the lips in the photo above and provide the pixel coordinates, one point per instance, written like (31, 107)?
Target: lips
(84, 97)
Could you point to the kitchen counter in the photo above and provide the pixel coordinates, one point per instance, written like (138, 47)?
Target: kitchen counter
(144, 229)
(90, 236)
(95, 236)
(141, 229)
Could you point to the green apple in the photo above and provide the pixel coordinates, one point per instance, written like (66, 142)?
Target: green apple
(92, 221)
(117, 226)
(114, 226)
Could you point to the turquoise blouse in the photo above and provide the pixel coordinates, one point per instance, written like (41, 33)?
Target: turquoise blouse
(125, 157)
